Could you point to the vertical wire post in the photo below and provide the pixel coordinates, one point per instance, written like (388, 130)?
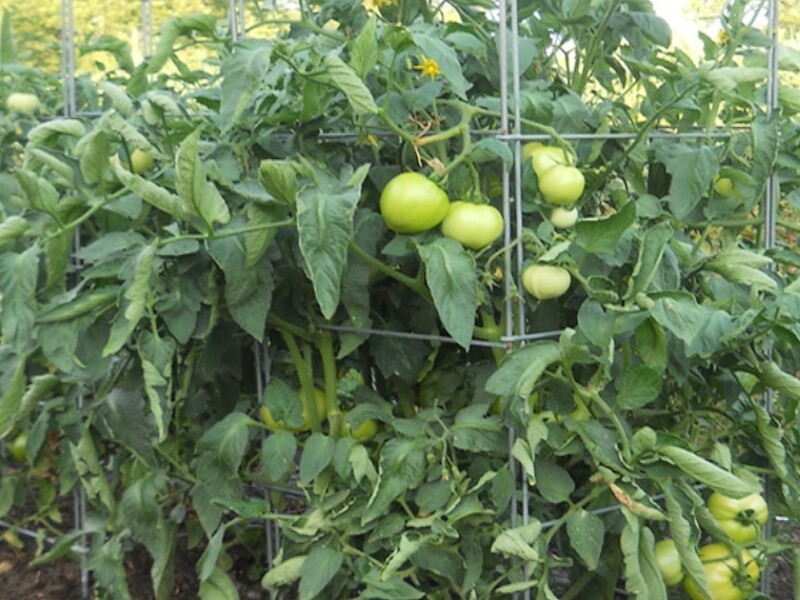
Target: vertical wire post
(236, 19)
(770, 219)
(70, 109)
(146, 24)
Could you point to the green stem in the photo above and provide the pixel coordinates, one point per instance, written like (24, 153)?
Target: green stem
(225, 234)
(285, 325)
(304, 374)
(329, 373)
(590, 59)
(310, 25)
(411, 283)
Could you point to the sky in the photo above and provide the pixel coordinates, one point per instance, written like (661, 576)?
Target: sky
(684, 28)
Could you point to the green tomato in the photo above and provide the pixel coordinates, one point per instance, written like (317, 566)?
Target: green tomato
(724, 186)
(25, 104)
(18, 448)
(564, 217)
(730, 577)
(742, 518)
(363, 432)
(475, 226)
(669, 562)
(544, 282)
(412, 203)
(562, 185)
(141, 161)
(279, 424)
(545, 158)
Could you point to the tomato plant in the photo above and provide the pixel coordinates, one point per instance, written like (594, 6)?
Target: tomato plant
(730, 576)
(475, 226)
(151, 316)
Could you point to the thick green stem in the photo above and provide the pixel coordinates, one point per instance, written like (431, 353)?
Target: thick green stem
(329, 373)
(410, 282)
(305, 376)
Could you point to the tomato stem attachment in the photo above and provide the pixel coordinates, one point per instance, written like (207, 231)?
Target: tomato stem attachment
(326, 353)
(410, 282)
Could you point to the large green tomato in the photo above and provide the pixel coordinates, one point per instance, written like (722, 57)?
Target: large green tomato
(141, 161)
(730, 577)
(741, 519)
(724, 186)
(669, 562)
(546, 281)
(474, 225)
(412, 203)
(279, 425)
(562, 185)
(25, 104)
(544, 158)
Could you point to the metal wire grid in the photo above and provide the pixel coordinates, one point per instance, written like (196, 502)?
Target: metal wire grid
(510, 131)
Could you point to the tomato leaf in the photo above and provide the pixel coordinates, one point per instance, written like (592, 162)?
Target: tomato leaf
(686, 535)
(340, 75)
(692, 169)
(519, 541)
(325, 214)
(364, 49)
(317, 454)
(242, 75)
(520, 370)
(603, 236)
(706, 472)
(18, 287)
(218, 586)
(197, 192)
(553, 481)
(434, 48)
(156, 354)
(316, 572)
(453, 282)
(650, 254)
(284, 573)
(642, 575)
(637, 387)
(174, 28)
(12, 378)
(277, 455)
(586, 531)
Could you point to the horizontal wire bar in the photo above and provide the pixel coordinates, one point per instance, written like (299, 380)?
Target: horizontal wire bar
(77, 548)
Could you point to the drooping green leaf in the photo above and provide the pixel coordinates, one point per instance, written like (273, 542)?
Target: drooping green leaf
(602, 236)
(46, 131)
(652, 250)
(692, 169)
(325, 226)
(195, 190)
(315, 573)
(12, 378)
(317, 454)
(706, 472)
(340, 75)
(277, 455)
(279, 179)
(364, 49)
(451, 277)
(218, 586)
(642, 576)
(637, 387)
(686, 537)
(586, 532)
(242, 76)
(520, 370)
(553, 481)
(284, 573)
(12, 228)
(150, 192)
(175, 28)
(156, 356)
(18, 287)
(519, 541)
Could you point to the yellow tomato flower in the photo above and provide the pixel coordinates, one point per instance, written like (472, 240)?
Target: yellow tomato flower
(429, 67)
(375, 5)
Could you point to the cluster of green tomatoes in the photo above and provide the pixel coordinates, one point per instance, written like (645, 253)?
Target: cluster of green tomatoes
(411, 203)
(732, 571)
